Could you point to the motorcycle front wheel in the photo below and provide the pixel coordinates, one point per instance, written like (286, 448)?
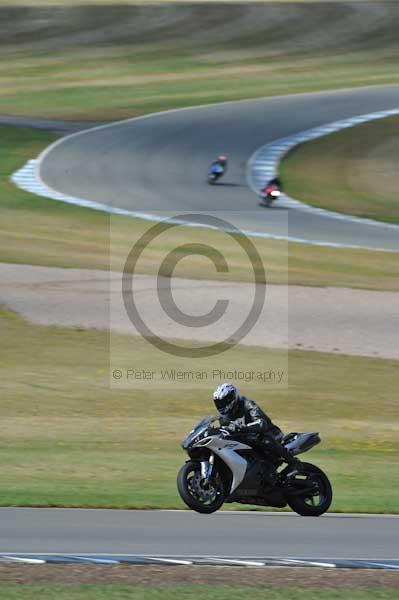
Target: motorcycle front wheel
(317, 501)
(265, 201)
(199, 496)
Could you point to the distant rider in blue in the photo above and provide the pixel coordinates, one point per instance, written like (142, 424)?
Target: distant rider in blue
(219, 165)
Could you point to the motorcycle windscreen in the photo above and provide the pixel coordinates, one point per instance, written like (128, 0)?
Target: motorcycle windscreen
(199, 429)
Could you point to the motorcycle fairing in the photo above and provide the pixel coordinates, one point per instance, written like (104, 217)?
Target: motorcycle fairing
(227, 451)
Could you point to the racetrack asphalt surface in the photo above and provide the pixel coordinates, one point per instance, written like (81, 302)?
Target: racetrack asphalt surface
(185, 533)
(160, 163)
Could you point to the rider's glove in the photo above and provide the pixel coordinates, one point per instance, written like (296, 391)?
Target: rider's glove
(233, 427)
(224, 431)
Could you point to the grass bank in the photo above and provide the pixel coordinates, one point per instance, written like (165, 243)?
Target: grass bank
(40, 231)
(354, 171)
(67, 439)
(106, 62)
(183, 592)
(183, 582)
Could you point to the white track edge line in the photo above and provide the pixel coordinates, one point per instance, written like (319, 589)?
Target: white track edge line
(313, 562)
(172, 561)
(191, 557)
(236, 561)
(275, 151)
(93, 560)
(33, 561)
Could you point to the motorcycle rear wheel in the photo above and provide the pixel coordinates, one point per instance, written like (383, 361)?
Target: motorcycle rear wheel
(266, 201)
(203, 499)
(317, 503)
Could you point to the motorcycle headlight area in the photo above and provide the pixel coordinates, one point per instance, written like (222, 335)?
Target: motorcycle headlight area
(192, 440)
(203, 442)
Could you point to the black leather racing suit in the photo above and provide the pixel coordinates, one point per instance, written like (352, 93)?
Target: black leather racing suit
(249, 419)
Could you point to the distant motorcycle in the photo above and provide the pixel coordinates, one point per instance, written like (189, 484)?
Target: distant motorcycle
(216, 171)
(269, 194)
(221, 468)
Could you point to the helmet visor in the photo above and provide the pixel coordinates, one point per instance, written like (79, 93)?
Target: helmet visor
(226, 404)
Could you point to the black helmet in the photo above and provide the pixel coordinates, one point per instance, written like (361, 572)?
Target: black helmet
(226, 398)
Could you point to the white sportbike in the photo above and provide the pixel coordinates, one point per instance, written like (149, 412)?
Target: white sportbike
(225, 467)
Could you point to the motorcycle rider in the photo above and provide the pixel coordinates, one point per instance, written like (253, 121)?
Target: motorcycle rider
(275, 181)
(221, 161)
(244, 416)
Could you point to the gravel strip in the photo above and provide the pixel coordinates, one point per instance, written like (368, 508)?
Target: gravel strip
(172, 575)
(337, 320)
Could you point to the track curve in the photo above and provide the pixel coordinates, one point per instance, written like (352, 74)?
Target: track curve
(184, 533)
(158, 163)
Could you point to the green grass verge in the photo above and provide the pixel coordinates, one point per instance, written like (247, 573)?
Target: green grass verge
(143, 2)
(67, 439)
(184, 592)
(40, 231)
(107, 62)
(354, 171)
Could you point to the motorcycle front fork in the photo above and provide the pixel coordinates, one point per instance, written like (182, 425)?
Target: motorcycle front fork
(207, 468)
